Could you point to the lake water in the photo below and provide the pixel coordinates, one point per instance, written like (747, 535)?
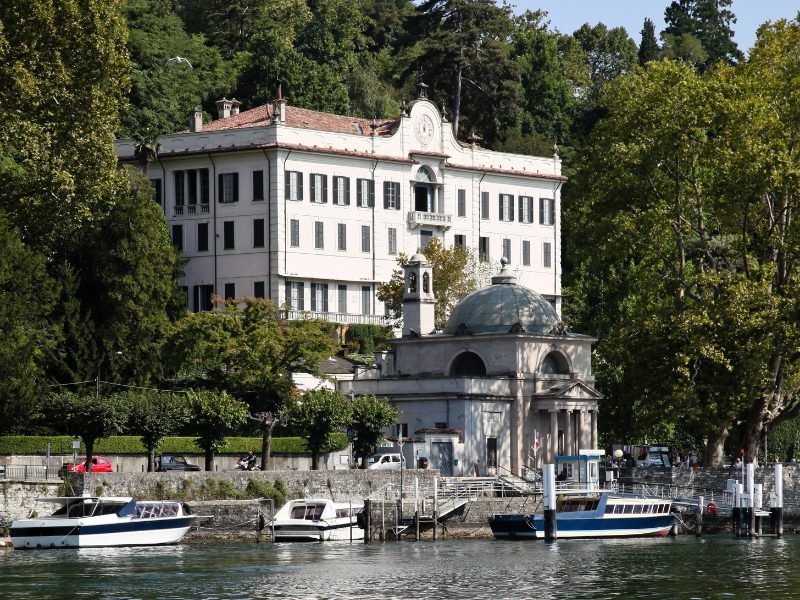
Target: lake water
(714, 566)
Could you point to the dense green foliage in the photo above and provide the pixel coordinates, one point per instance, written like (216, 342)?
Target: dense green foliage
(368, 417)
(317, 415)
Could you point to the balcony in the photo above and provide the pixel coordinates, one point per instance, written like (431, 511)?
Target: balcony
(191, 209)
(333, 317)
(417, 218)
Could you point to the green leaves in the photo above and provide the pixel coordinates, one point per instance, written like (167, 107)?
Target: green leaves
(368, 417)
(316, 415)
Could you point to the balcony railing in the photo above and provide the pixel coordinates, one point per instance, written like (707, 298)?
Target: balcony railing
(334, 317)
(190, 209)
(429, 219)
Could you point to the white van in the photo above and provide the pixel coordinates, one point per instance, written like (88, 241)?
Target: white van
(391, 461)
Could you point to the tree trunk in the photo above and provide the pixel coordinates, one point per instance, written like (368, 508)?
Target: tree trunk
(209, 460)
(457, 99)
(315, 460)
(266, 443)
(89, 453)
(715, 452)
(151, 459)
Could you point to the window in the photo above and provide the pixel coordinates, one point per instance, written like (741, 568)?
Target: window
(258, 186)
(228, 191)
(365, 238)
(462, 203)
(342, 298)
(506, 207)
(507, 249)
(191, 176)
(319, 235)
(227, 235)
(180, 188)
(294, 186)
(525, 209)
(366, 300)
(365, 192)
(425, 237)
(258, 233)
(484, 205)
(392, 240)
(202, 297)
(526, 253)
(177, 237)
(319, 188)
(230, 291)
(341, 237)
(491, 453)
(202, 237)
(341, 191)
(483, 249)
(204, 187)
(156, 183)
(460, 241)
(319, 297)
(294, 233)
(546, 255)
(294, 295)
(402, 430)
(547, 214)
(258, 289)
(391, 195)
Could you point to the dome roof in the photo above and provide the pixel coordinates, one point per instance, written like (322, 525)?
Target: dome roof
(503, 307)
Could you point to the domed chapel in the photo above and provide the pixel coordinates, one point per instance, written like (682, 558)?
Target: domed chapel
(503, 387)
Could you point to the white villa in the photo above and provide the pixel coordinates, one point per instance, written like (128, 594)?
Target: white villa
(310, 209)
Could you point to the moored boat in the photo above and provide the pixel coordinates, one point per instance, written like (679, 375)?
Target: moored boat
(599, 515)
(100, 521)
(318, 520)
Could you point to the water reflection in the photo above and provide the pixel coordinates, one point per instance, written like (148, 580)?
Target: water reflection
(686, 567)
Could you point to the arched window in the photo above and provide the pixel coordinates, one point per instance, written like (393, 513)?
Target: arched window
(425, 175)
(468, 364)
(426, 283)
(555, 363)
(412, 283)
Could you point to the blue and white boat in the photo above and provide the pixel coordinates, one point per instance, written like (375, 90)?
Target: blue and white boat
(601, 515)
(317, 520)
(100, 521)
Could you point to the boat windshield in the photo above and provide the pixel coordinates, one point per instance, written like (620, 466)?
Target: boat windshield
(87, 508)
(309, 512)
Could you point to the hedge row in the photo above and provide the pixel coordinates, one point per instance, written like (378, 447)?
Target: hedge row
(28, 445)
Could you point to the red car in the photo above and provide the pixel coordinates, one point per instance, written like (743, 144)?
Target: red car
(100, 464)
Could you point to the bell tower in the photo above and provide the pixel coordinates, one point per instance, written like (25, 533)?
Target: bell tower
(418, 299)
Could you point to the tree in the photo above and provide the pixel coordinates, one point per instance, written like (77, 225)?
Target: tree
(462, 45)
(316, 415)
(368, 417)
(648, 47)
(684, 47)
(154, 416)
(26, 299)
(63, 80)
(456, 273)
(708, 21)
(249, 351)
(88, 416)
(214, 416)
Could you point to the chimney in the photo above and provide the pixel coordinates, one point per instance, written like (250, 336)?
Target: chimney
(418, 299)
(223, 108)
(235, 104)
(279, 108)
(196, 120)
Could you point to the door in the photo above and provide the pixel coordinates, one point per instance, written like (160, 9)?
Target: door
(442, 457)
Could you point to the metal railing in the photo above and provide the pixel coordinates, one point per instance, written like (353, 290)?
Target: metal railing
(29, 472)
(335, 317)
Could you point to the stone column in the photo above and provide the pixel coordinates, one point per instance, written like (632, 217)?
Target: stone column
(553, 436)
(568, 434)
(582, 433)
(517, 428)
(594, 429)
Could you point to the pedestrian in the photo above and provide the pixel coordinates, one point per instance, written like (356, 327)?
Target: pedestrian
(738, 464)
(694, 461)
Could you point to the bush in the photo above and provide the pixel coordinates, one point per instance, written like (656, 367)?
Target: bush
(364, 339)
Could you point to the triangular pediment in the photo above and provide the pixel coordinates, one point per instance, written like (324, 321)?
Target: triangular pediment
(575, 389)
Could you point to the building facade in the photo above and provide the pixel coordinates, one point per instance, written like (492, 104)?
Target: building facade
(311, 209)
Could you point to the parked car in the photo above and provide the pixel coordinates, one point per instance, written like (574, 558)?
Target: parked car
(100, 464)
(393, 461)
(174, 462)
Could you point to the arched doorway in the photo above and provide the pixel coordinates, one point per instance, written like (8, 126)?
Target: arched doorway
(425, 190)
(468, 364)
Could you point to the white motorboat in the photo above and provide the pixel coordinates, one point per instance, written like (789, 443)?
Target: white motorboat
(317, 520)
(98, 521)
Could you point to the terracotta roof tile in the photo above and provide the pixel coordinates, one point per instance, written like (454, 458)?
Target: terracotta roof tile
(302, 118)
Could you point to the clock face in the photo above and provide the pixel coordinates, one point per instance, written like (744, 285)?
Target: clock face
(424, 129)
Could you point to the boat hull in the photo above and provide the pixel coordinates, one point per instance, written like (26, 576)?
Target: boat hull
(522, 527)
(322, 532)
(67, 533)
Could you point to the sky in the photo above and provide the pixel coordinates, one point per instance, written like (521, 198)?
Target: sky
(569, 15)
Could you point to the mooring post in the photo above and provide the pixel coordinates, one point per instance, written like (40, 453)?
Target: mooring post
(549, 482)
(776, 511)
(416, 509)
(435, 505)
(751, 471)
(397, 518)
(368, 519)
(383, 520)
(758, 505)
(698, 528)
(736, 513)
